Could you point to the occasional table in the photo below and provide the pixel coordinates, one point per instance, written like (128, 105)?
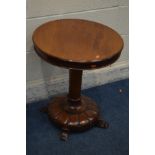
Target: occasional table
(77, 45)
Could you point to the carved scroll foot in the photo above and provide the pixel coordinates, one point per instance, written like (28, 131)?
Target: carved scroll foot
(44, 109)
(102, 124)
(64, 134)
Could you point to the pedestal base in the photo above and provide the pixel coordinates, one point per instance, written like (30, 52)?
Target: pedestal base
(74, 118)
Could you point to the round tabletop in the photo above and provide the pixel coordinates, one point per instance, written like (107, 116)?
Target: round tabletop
(77, 44)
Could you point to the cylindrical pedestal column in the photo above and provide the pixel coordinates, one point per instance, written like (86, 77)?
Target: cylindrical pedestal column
(75, 81)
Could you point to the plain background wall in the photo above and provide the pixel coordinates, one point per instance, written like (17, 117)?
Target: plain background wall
(43, 79)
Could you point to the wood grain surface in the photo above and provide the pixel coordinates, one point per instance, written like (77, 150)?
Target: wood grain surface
(76, 43)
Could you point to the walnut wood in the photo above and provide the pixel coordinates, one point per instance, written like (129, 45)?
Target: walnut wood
(76, 44)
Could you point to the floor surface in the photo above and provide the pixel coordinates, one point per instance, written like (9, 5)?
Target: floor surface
(42, 135)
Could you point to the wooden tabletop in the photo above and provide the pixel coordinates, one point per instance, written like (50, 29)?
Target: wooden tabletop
(78, 44)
